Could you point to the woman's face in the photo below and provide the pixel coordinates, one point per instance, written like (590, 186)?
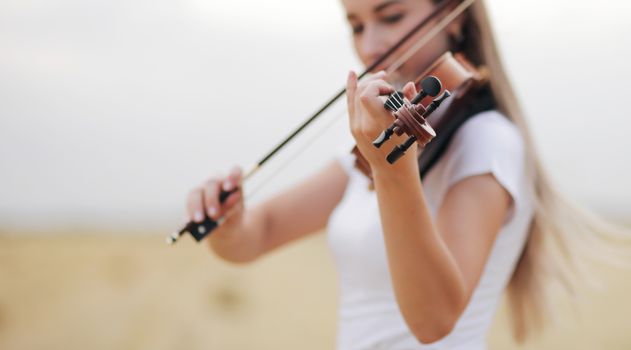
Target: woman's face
(378, 24)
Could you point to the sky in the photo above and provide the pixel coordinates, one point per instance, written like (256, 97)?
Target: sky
(111, 111)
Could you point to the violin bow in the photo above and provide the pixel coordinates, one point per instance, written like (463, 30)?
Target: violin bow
(200, 230)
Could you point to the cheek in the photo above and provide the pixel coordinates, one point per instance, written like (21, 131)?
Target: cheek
(357, 48)
(365, 57)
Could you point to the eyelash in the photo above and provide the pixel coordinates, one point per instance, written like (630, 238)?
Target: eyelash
(393, 18)
(387, 20)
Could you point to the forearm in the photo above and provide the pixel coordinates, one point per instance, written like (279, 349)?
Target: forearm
(427, 282)
(295, 213)
(433, 273)
(238, 239)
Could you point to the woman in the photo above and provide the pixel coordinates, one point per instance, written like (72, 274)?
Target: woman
(420, 261)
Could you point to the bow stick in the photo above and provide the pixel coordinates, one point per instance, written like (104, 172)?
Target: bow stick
(200, 230)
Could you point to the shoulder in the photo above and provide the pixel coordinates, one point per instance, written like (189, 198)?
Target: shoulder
(488, 143)
(489, 131)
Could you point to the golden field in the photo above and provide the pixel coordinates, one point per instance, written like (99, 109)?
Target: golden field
(124, 292)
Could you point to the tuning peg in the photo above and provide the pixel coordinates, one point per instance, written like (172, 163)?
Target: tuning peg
(394, 102)
(436, 103)
(399, 150)
(384, 136)
(430, 86)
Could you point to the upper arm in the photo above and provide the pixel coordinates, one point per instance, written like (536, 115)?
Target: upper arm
(484, 177)
(469, 220)
(303, 209)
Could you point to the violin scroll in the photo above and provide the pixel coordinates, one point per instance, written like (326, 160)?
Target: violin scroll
(410, 118)
(430, 86)
(416, 126)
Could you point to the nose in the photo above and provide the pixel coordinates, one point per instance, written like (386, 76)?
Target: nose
(372, 45)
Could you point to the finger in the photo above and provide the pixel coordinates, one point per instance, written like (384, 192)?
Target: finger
(211, 198)
(375, 88)
(232, 183)
(233, 180)
(381, 75)
(232, 202)
(351, 90)
(360, 86)
(352, 77)
(378, 75)
(409, 90)
(370, 96)
(195, 205)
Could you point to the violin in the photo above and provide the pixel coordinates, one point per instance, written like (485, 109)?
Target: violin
(451, 77)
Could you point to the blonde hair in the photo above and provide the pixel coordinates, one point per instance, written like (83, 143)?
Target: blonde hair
(560, 232)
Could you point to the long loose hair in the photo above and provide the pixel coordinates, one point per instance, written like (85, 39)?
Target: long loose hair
(560, 232)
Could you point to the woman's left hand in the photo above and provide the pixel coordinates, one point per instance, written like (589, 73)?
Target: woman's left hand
(368, 118)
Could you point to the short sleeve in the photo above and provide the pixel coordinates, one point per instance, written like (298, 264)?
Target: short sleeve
(488, 143)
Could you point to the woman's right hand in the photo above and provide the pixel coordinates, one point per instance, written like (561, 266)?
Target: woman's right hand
(204, 200)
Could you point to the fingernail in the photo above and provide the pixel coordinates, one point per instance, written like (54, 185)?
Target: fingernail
(212, 211)
(199, 217)
(227, 185)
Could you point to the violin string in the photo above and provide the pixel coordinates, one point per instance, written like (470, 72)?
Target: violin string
(393, 97)
(424, 40)
(395, 100)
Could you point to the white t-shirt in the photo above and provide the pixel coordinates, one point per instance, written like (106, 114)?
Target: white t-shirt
(369, 317)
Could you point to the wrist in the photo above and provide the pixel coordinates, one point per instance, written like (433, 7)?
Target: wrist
(399, 172)
(407, 164)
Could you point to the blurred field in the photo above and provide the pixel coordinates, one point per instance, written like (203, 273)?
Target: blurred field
(134, 292)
